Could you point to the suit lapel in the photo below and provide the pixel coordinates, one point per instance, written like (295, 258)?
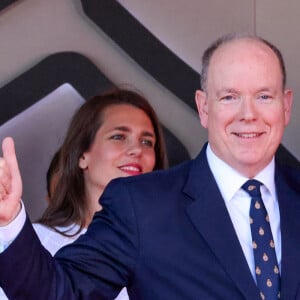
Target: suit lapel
(288, 190)
(209, 215)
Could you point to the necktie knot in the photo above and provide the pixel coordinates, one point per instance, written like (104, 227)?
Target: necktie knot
(252, 187)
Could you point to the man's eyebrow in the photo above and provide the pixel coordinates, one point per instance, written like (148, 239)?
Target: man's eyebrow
(265, 89)
(226, 90)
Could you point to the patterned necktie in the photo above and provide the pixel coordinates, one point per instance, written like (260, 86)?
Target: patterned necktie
(266, 266)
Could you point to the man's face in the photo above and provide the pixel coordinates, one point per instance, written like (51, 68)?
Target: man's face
(244, 108)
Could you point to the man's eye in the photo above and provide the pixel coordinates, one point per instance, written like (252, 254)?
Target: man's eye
(265, 97)
(229, 98)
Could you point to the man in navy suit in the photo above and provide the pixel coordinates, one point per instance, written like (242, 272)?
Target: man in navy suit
(183, 233)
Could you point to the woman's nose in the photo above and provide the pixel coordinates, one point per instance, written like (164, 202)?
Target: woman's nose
(134, 149)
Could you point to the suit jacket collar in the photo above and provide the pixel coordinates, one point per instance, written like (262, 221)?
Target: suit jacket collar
(209, 215)
(288, 190)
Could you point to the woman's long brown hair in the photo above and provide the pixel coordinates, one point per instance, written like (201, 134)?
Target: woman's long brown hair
(68, 205)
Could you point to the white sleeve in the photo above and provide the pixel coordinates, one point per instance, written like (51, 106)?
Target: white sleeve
(9, 232)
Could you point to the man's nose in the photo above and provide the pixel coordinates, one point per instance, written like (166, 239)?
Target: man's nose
(248, 108)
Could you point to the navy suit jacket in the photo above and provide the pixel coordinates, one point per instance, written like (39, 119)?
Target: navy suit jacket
(165, 235)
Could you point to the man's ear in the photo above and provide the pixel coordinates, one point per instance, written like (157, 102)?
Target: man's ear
(202, 107)
(288, 101)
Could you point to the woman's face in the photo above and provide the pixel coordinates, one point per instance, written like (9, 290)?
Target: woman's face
(123, 146)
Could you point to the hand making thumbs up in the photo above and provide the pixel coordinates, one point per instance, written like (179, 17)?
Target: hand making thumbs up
(10, 183)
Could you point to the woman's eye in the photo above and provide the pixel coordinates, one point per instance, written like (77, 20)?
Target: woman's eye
(148, 143)
(117, 137)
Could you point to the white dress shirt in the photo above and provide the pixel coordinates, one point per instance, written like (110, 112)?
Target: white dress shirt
(9, 232)
(238, 202)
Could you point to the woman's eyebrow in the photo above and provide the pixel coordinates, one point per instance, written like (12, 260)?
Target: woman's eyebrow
(127, 129)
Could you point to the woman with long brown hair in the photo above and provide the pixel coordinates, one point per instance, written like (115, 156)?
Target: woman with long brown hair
(112, 135)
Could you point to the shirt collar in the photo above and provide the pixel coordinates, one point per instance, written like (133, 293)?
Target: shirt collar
(230, 181)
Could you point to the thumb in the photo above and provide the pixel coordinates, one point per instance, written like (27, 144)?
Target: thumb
(9, 154)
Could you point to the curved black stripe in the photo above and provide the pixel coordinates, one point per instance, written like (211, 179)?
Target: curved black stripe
(284, 157)
(4, 3)
(46, 76)
(144, 48)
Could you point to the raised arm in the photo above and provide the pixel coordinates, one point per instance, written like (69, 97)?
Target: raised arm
(10, 183)
(96, 266)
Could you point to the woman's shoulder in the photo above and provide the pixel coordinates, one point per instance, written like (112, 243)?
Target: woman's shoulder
(53, 240)
(123, 295)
